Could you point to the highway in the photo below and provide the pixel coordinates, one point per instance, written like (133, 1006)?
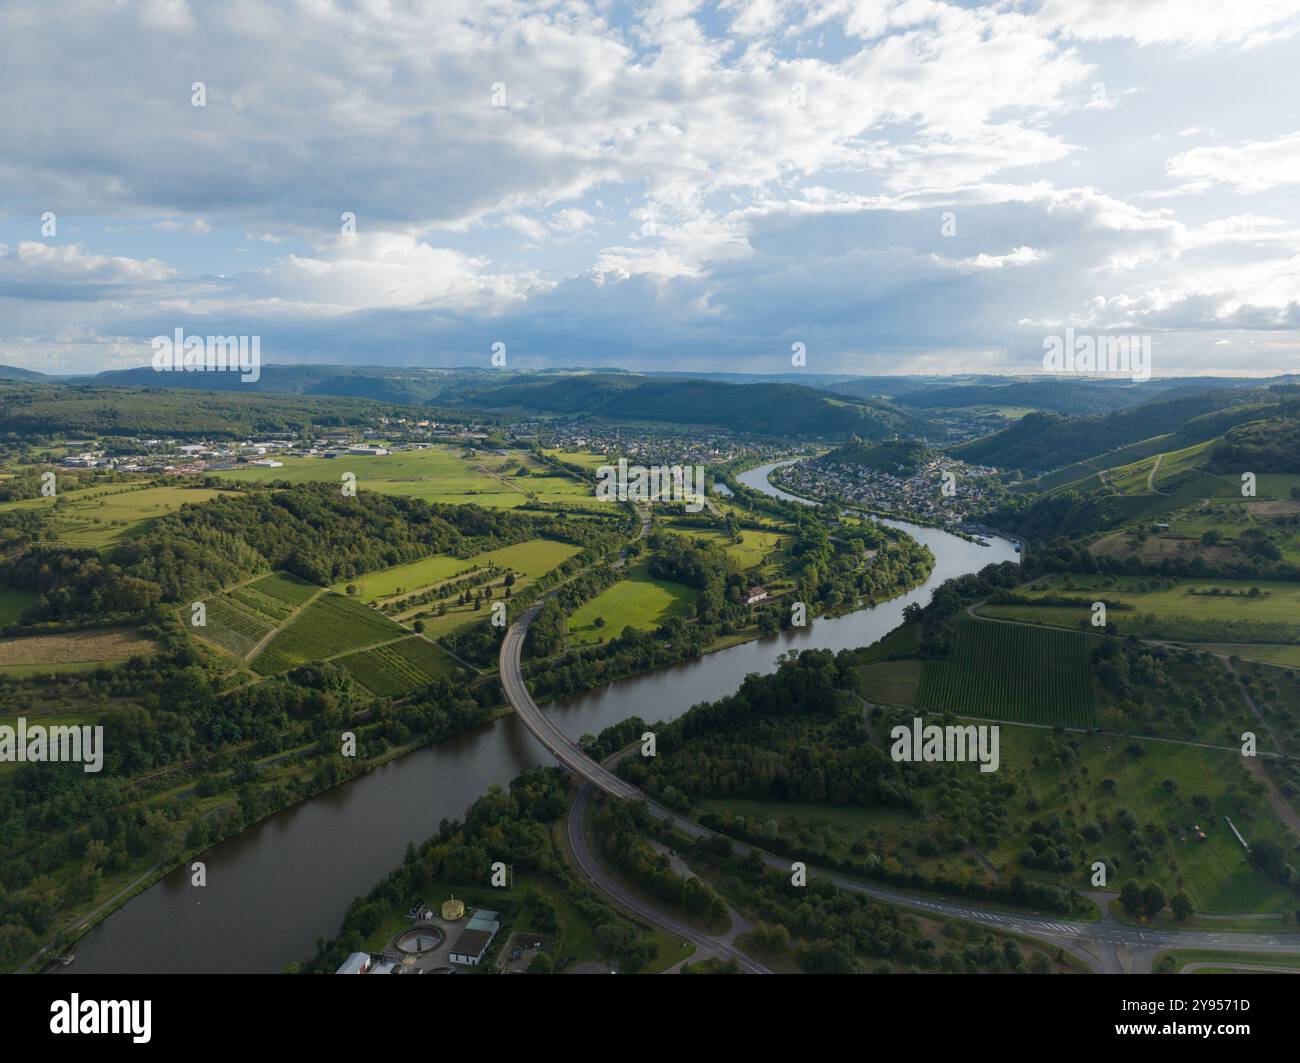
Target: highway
(1097, 943)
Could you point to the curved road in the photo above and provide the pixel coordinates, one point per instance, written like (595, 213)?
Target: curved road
(602, 881)
(1106, 936)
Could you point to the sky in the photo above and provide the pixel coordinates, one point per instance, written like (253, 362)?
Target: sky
(901, 186)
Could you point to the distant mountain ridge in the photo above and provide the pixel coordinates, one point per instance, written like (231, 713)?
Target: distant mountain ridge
(759, 408)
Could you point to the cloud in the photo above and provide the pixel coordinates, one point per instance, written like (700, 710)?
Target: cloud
(1254, 166)
(669, 184)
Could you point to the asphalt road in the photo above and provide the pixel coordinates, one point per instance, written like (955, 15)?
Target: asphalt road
(601, 880)
(1104, 937)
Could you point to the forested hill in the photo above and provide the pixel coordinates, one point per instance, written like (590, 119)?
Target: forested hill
(902, 456)
(1271, 445)
(35, 410)
(765, 409)
(1043, 441)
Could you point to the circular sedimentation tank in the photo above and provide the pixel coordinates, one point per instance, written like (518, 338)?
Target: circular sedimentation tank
(418, 940)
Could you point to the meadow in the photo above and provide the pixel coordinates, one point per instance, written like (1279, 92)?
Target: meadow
(13, 604)
(638, 601)
(1169, 606)
(100, 516)
(453, 475)
(755, 547)
(528, 559)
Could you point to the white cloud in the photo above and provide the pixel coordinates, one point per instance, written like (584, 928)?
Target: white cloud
(1255, 166)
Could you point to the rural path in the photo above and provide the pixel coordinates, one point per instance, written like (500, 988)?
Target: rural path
(1151, 476)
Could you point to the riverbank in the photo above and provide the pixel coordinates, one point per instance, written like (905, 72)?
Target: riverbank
(279, 885)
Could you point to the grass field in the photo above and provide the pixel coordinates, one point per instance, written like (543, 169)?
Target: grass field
(529, 559)
(1158, 608)
(447, 474)
(13, 604)
(101, 516)
(1012, 672)
(328, 626)
(1280, 656)
(755, 547)
(639, 601)
(580, 457)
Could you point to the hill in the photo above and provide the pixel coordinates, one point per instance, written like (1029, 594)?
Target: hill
(1269, 445)
(12, 372)
(902, 456)
(1045, 441)
(762, 409)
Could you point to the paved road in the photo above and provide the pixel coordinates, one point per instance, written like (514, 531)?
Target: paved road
(1103, 938)
(602, 881)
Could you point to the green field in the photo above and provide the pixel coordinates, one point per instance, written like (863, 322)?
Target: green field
(330, 625)
(399, 666)
(639, 601)
(1161, 609)
(1012, 672)
(529, 559)
(1279, 656)
(101, 516)
(755, 547)
(580, 457)
(13, 604)
(286, 588)
(446, 474)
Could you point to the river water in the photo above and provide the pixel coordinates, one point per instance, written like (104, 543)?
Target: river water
(273, 890)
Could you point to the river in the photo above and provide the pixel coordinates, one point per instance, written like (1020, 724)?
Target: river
(276, 888)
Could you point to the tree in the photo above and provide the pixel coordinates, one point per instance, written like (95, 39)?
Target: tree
(1181, 905)
(1153, 899)
(542, 964)
(1130, 896)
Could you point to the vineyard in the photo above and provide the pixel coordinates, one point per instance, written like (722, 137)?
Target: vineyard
(1012, 672)
(288, 589)
(330, 625)
(399, 666)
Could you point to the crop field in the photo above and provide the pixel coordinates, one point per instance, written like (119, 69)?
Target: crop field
(13, 604)
(1012, 672)
(53, 653)
(101, 516)
(1233, 614)
(399, 666)
(286, 588)
(330, 625)
(528, 559)
(447, 474)
(639, 601)
(232, 625)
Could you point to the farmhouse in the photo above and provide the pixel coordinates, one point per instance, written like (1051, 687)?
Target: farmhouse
(756, 594)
